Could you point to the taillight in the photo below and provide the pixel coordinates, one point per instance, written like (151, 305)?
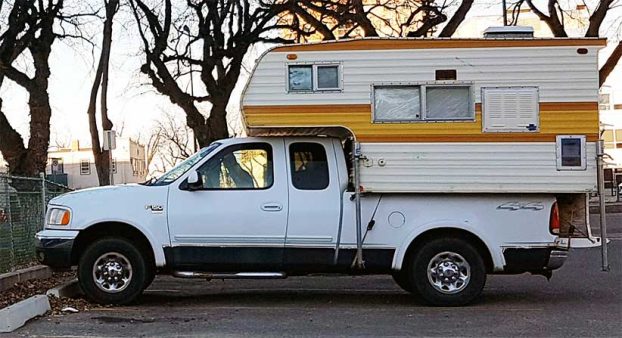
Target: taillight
(554, 223)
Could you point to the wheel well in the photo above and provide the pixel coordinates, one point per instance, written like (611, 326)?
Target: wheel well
(455, 233)
(111, 229)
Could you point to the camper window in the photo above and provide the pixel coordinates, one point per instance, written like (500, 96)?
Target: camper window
(300, 78)
(571, 152)
(309, 78)
(397, 103)
(448, 103)
(414, 103)
(328, 77)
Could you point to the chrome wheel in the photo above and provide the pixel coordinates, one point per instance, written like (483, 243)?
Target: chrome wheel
(449, 272)
(112, 272)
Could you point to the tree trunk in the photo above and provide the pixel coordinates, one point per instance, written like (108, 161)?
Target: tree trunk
(102, 157)
(39, 141)
(12, 146)
(610, 64)
(456, 19)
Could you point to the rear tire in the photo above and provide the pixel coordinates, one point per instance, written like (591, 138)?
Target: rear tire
(448, 272)
(112, 271)
(402, 279)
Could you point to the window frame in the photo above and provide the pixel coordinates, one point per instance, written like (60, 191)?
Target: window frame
(88, 171)
(314, 77)
(291, 165)
(240, 146)
(558, 151)
(422, 87)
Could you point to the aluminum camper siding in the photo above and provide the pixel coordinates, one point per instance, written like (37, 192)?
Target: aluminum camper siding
(454, 157)
(525, 167)
(567, 82)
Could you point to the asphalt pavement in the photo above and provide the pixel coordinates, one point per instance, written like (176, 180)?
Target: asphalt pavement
(579, 300)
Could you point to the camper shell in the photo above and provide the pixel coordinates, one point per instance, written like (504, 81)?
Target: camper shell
(435, 115)
(443, 115)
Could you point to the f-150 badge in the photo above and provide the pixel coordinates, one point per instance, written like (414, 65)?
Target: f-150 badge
(154, 208)
(521, 206)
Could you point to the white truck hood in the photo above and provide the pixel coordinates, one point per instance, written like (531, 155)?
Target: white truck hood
(129, 203)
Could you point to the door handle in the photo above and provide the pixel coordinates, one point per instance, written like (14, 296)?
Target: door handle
(271, 207)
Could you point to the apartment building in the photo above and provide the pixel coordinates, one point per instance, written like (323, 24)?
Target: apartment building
(75, 166)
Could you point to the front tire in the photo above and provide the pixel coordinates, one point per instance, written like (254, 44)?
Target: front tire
(448, 272)
(112, 271)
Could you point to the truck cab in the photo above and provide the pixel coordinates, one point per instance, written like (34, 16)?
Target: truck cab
(272, 207)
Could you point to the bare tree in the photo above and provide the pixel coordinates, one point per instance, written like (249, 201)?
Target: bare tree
(169, 143)
(331, 19)
(220, 32)
(29, 29)
(555, 21)
(102, 163)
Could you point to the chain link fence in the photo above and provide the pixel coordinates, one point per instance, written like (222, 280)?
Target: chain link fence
(23, 202)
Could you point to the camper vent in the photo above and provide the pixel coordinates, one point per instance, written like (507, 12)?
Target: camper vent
(508, 32)
(510, 109)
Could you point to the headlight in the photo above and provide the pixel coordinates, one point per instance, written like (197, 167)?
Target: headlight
(57, 216)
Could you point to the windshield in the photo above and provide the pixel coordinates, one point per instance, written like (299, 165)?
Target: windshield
(184, 166)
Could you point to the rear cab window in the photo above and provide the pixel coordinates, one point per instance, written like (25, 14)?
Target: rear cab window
(309, 166)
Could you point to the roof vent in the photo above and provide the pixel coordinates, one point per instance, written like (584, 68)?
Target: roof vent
(508, 32)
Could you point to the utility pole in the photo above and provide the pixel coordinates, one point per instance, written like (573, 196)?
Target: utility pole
(110, 144)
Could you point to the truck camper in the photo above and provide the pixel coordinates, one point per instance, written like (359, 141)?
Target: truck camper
(436, 161)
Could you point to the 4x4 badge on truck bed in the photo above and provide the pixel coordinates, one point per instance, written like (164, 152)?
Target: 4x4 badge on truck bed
(154, 208)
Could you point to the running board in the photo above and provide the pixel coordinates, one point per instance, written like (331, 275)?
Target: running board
(239, 275)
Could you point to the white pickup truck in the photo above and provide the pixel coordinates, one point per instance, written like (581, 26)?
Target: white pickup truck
(274, 207)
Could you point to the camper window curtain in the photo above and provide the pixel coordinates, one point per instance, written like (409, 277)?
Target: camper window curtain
(397, 103)
(448, 103)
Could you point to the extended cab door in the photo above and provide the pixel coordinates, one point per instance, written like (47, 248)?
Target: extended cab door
(314, 204)
(237, 220)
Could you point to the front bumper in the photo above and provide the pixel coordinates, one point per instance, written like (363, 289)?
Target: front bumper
(537, 260)
(53, 247)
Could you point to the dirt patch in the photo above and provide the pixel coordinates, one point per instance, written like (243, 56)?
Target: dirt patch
(23, 290)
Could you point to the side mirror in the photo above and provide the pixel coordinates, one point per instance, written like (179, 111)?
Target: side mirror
(194, 181)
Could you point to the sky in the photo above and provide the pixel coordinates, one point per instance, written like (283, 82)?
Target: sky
(133, 103)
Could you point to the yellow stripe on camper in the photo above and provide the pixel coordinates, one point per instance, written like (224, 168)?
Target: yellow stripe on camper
(555, 118)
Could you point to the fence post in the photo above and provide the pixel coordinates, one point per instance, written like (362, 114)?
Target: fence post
(43, 203)
(10, 220)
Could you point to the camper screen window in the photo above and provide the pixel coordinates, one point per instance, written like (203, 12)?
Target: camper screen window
(327, 77)
(447, 103)
(300, 78)
(397, 103)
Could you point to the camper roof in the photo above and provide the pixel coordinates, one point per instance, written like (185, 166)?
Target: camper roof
(374, 43)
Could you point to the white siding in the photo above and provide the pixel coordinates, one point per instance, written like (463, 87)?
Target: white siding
(560, 73)
(472, 167)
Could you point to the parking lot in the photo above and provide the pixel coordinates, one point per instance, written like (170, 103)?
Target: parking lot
(580, 300)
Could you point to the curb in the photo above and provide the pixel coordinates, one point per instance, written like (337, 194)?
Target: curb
(69, 289)
(16, 315)
(7, 280)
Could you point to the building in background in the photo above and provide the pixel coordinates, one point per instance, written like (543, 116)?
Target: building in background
(75, 166)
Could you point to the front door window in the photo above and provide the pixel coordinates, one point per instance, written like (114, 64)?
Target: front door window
(241, 167)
